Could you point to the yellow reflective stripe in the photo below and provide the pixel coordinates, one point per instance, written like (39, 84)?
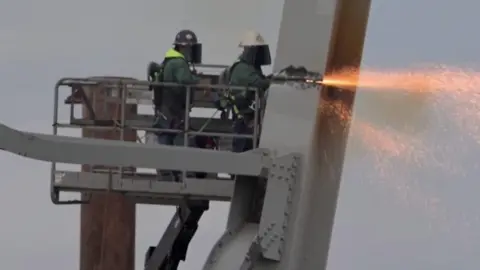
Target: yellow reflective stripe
(237, 112)
(172, 53)
(235, 109)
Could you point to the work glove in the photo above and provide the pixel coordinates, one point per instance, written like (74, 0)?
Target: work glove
(196, 73)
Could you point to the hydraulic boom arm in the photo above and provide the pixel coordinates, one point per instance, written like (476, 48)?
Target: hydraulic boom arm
(172, 247)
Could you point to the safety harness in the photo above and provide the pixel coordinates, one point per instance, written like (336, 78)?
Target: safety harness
(228, 100)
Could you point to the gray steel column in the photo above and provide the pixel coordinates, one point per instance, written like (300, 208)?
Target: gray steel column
(323, 174)
(291, 124)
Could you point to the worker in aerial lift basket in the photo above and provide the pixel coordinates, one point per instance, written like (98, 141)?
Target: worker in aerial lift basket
(170, 101)
(247, 71)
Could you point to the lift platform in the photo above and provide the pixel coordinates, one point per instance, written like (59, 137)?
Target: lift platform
(264, 179)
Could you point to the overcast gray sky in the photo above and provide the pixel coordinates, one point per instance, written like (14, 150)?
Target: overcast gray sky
(382, 222)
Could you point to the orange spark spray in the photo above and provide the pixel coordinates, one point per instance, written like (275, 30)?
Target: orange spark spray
(388, 147)
(453, 92)
(452, 89)
(417, 80)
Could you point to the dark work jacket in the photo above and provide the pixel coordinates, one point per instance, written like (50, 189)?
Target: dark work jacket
(247, 75)
(176, 70)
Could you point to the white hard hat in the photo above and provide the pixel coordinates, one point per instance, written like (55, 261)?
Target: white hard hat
(252, 38)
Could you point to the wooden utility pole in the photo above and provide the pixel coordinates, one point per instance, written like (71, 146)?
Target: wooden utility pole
(107, 230)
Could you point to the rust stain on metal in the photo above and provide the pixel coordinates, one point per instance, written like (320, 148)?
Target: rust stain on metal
(107, 231)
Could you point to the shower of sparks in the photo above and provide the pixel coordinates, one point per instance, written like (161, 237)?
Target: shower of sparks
(454, 93)
(452, 89)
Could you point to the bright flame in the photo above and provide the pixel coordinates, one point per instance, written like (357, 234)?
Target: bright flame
(454, 89)
(433, 79)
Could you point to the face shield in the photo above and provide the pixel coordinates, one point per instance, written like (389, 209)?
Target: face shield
(257, 55)
(191, 52)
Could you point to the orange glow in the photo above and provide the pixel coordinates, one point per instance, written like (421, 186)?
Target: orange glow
(452, 89)
(416, 80)
(453, 94)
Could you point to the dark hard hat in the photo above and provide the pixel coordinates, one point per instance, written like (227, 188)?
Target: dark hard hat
(185, 37)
